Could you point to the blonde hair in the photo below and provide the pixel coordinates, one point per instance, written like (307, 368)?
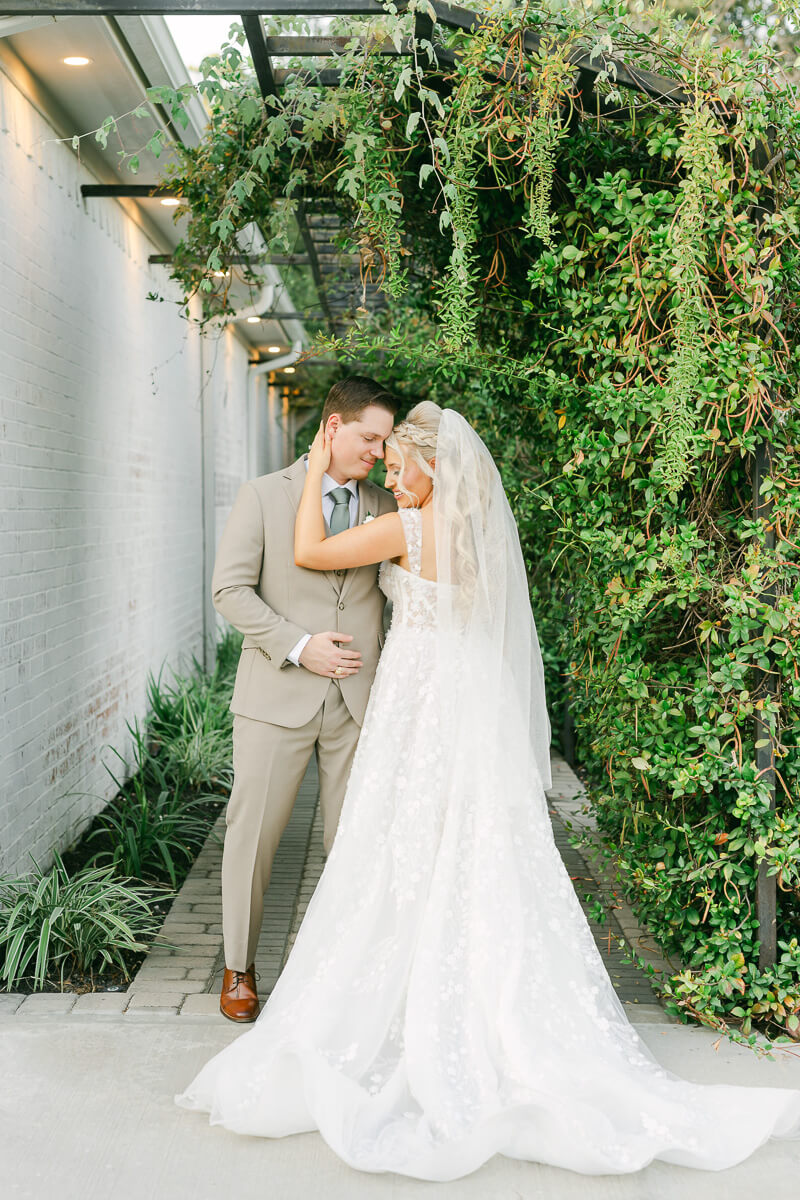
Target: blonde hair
(416, 438)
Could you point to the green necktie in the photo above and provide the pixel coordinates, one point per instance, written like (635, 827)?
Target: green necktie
(340, 517)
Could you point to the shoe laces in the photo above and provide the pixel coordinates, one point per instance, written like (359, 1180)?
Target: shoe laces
(239, 976)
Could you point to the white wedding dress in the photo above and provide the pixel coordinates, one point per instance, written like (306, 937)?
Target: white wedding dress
(445, 1000)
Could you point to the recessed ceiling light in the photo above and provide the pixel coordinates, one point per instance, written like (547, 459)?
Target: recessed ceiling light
(170, 202)
(288, 370)
(76, 60)
(253, 320)
(274, 349)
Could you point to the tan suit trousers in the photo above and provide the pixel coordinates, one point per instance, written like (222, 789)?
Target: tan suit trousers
(269, 762)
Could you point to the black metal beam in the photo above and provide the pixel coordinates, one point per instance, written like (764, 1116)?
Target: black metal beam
(256, 40)
(321, 47)
(233, 260)
(338, 318)
(128, 189)
(304, 316)
(327, 262)
(451, 16)
(330, 77)
(234, 8)
(766, 680)
(423, 27)
(765, 688)
(658, 87)
(306, 362)
(311, 251)
(293, 316)
(268, 83)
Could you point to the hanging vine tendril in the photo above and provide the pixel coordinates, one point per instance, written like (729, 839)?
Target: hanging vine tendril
(699, 157)
(550, 76)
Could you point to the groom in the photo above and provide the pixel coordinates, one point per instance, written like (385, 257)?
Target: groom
(310, 650)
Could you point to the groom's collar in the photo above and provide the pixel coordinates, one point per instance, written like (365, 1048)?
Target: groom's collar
(329, 483)
(295, 475)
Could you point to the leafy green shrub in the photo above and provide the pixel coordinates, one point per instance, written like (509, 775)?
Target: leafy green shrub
(228, 650)
(181, 765)
(51, 922)
(152, 830)
(189, 724)
(731, 987)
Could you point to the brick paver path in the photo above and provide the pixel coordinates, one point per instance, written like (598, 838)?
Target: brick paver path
(186, 976)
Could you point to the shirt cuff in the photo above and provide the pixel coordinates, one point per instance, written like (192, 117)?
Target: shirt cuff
(294, 654)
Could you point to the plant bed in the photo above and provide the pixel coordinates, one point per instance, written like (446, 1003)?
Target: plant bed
(59, 930)
(80, 982)
(88, 922)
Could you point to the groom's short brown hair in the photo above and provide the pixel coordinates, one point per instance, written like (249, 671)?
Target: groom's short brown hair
(349, 397)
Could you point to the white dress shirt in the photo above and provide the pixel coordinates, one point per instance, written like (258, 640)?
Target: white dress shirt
(328, 485)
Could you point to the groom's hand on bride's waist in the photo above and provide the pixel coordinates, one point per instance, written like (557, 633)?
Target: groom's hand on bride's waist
(324, 654)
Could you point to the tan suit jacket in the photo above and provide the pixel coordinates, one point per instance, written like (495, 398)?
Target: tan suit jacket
(260, 590)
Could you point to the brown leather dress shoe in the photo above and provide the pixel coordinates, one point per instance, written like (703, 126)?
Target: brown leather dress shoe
(239, 999)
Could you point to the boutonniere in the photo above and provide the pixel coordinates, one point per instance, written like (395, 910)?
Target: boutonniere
(368, 517)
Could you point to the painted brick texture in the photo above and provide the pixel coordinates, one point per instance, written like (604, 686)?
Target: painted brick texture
(101, 487)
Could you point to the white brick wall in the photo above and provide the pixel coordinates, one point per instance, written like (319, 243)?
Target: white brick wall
(101, 542)
(229, 396)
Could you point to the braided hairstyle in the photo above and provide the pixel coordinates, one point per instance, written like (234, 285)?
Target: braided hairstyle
(415, 438)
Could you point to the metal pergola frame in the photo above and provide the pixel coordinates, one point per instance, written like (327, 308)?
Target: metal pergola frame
(316, 229)
(250, 11)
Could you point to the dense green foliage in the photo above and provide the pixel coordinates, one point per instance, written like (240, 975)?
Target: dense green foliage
(609, 295)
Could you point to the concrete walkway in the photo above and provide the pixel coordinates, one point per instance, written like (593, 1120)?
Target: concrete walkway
(87, 1112)
(86, 1107)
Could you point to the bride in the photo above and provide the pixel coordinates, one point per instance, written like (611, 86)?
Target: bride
(444, 1000)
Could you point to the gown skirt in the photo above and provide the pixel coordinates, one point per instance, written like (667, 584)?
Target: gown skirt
(444, 1000)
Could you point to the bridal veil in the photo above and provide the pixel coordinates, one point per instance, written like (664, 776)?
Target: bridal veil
(485, 626)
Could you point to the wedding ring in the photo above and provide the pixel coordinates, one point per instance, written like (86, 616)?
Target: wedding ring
(338, 671)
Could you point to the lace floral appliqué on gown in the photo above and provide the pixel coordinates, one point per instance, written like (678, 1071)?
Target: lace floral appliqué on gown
(444, 1000)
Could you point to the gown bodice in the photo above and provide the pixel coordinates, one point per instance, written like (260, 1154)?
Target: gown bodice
(413, 598)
